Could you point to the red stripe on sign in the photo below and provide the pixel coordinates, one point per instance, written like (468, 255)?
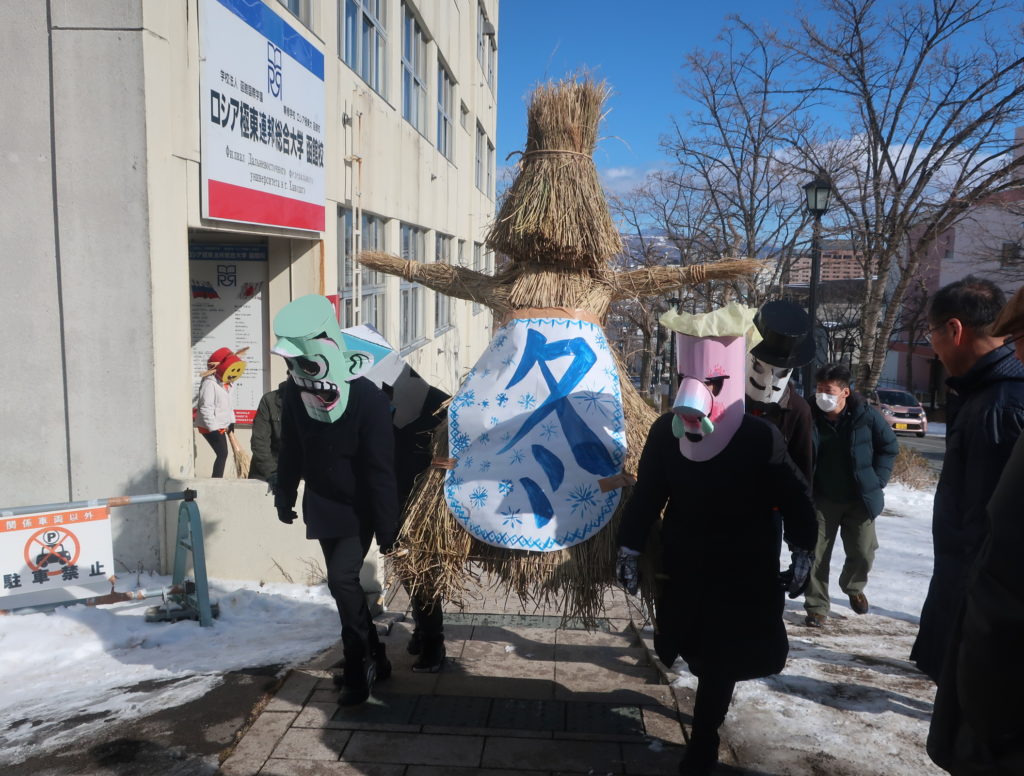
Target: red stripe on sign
(237, 203)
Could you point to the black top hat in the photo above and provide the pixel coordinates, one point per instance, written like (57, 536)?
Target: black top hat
(785, 328)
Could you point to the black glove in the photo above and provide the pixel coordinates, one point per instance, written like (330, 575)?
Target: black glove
(627, 570)
(387, 546)
(794, 579)
(285, 505)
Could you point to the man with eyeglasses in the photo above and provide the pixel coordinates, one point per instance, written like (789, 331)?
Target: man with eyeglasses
(984, 417)
(977, 721)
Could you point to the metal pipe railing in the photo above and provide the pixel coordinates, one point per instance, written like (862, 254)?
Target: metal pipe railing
(113, 501)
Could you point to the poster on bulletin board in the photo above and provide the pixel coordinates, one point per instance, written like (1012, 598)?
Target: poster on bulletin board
(227, 284)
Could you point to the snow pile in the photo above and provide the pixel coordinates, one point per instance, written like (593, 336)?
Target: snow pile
(69, 673)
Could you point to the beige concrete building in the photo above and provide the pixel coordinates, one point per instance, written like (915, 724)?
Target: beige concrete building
(178, 171)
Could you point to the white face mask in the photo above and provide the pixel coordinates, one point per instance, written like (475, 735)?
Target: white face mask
(765, 383)
(827, 402)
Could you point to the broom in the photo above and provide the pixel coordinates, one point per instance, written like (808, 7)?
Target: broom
(242, 459)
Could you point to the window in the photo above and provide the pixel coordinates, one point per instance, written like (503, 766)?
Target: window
(413, 247)
(464, 116)
(371, 284)
(302, 9)
(362, 40)
(374, 290)
(442, 303)
(492, 56)
(481, 40)
(414, 72)
(489, 191)
(462, 253)
(481, 145)
(478, 263)
(445, 108)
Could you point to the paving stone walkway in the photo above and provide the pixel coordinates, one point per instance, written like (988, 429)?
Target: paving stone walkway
(519, 695)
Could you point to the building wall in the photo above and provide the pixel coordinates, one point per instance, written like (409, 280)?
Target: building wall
(105, 147)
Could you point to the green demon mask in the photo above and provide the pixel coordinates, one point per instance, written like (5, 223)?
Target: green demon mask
(320, 358)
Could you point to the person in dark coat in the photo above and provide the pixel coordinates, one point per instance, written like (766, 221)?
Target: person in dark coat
(785, 346)
(977, 724)
(718, 540)
(266, 437)
(336, 435)
(984, 418)
(854, 454)
(417, 412)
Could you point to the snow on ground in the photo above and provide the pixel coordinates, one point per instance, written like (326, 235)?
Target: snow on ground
(849, 702)
(69, 673)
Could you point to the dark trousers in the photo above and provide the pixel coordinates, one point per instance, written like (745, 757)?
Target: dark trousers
(344, 558)
(219, 443)
(714, 695)
(428, 617)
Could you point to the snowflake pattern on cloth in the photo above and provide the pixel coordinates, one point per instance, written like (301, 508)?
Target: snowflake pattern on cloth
(534, 427)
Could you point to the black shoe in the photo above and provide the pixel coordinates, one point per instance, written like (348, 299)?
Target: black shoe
(383, 667)
(357, 683)
(415, 643)
(701, 756)
(431, 657)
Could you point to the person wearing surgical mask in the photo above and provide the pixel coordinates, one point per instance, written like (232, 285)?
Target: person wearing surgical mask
(854, 453)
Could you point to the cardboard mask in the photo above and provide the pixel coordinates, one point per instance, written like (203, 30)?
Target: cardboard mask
(407, 390)
(319, 357)
(784, 328)
(710, 351)
(766, 383)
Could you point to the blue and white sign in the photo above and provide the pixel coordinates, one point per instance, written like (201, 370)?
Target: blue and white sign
(534, 428)
(262, 109)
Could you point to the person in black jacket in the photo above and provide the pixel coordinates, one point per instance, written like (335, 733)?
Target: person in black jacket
(977, 725)
(854, 453)
(266, 437)
(336, 435)
(718, 540)
(984, 418)
(416, 413)
(785, 346)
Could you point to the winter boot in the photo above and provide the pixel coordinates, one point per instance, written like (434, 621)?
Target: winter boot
(431, 656)
(701, 755)
(357, 681)
(383, 665)
(380, 658)
(415, 643)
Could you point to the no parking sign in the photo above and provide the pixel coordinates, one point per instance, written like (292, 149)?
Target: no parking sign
(52, 557)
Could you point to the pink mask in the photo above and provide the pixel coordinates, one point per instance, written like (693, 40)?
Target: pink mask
(709, 405)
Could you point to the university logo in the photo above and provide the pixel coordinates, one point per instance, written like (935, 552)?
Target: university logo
(274, 80)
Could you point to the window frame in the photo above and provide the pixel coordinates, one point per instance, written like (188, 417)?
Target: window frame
(414, 70)
(410, 312)
(442, 302)
(445, 141)
(352, 43)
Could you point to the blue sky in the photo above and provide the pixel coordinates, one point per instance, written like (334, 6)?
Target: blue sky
(638, 47)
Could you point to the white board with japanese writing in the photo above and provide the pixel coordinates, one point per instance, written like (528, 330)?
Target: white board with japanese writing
(262, 117)
(227, 312)
(53, 557)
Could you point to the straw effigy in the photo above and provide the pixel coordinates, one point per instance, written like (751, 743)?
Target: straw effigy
(555, 227)
(555, 211)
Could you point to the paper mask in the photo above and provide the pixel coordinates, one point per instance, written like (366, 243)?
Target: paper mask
(320, 359)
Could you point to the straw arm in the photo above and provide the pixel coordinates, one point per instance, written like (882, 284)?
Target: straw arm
(458, 282)
(652, 281)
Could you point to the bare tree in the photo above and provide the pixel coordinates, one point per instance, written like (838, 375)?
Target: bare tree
(931, 93)
(731, 153)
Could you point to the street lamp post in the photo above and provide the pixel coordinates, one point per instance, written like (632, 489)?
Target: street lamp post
(818, 193)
